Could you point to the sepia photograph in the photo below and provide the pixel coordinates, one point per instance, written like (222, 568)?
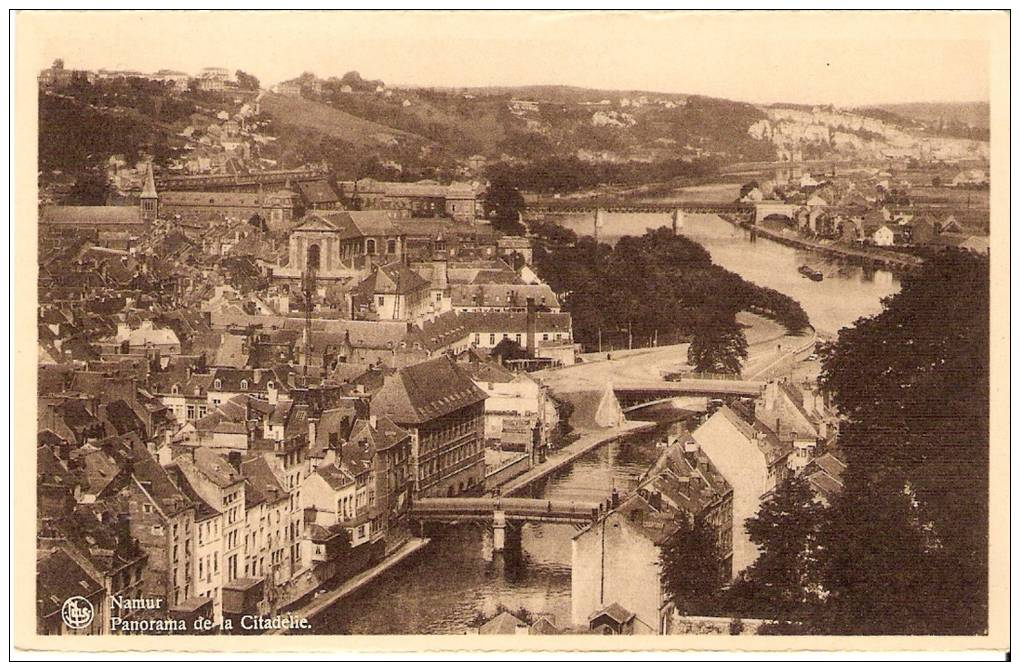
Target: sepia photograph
(495, 329)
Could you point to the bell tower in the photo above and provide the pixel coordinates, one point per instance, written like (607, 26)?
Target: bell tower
(149, 200)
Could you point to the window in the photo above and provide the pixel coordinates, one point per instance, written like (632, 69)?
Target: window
(244, 384)
(370, 246)
(146, 507)
(381, 302)
(312, 261)
(391, 246)
(217, 384)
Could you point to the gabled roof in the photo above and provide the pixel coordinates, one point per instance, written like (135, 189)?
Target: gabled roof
(263, 480)
(614, 611)
(336, 477)
(384, 435)
(390, 279)
(771, 446)
(502, 623)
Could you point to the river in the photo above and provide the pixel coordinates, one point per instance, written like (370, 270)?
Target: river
(443, 588)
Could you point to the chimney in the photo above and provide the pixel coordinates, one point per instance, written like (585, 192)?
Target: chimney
(234, 458)
(164, 454)
(373, 421)
(531, 324)
(313, 424)
(655, 500)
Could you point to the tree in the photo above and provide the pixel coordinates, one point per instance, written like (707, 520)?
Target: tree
(246, 81)
(912, 384)
(90, 188)
(692, 573)
(503, 206)
(719, 345)
(783, 584)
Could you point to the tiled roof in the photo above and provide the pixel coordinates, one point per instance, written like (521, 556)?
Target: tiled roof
(426, 391)
(216, 468)
(503, 623)
(263, 479)
(391, 279)
(317, 191)
(59, 577)
(86, 215)
(336, 477)
(502, 295)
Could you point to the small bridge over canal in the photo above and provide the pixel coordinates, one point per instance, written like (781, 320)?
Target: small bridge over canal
(513, 509)
(504, 515)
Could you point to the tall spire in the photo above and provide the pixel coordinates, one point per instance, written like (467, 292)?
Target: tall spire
(149, 190)
(148, 200)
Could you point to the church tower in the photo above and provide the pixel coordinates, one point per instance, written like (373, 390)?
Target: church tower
(149, 201)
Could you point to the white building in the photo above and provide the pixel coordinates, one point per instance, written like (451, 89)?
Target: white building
(753, 460)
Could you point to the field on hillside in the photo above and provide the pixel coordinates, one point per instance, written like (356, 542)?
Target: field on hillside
(305, 114)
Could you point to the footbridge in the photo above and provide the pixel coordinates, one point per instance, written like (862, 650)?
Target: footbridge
(504, 515)
(513, 509)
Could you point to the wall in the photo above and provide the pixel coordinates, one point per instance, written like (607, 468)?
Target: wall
(613, 563)
(742, 464)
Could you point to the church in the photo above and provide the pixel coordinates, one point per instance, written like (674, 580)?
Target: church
(342, 244)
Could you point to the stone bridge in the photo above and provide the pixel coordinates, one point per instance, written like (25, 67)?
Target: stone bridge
(766, 208)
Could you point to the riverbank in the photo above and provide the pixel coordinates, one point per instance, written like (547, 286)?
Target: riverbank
(589, 441)
(875, 257)
(320, 603)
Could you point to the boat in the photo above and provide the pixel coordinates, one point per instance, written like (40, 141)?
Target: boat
(813, 274)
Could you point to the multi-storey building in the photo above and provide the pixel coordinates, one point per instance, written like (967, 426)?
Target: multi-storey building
(444, 412)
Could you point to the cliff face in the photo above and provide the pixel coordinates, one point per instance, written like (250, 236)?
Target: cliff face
(799, 133)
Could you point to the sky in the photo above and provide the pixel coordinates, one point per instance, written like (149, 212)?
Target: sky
(842, 58)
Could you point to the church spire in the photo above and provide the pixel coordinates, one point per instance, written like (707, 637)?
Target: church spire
(148, 200)
(149, 190)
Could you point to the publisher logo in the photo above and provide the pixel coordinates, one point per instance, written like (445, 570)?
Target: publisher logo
(77, 612)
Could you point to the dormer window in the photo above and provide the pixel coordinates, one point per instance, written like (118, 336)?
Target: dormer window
(217, 384)
(244, 384)
(174, 390)
(270, 385)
